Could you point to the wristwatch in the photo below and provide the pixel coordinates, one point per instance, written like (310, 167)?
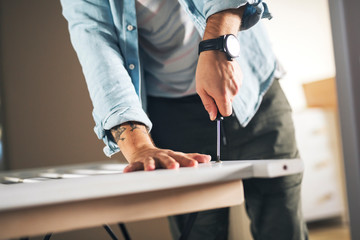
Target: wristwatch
(228, 44)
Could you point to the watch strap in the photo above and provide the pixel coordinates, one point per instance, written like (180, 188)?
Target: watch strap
(211, 44)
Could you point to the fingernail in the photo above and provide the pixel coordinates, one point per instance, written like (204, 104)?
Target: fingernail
(174, 165)
(150, 168)
(212, 117)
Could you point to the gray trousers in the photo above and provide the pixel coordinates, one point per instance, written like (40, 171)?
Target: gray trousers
(273, 205)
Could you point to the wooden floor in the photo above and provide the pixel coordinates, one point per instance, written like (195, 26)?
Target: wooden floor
(331, 230)
(324, 230)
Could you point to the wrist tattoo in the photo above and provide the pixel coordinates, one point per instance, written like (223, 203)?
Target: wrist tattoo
(117, 131)
(133, 126)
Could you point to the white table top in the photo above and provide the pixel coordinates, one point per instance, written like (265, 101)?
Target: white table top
(93, 181)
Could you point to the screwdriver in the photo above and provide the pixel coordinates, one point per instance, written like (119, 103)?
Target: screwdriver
(219, 118)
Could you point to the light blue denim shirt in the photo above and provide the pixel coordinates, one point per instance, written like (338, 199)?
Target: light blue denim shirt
(104, 35)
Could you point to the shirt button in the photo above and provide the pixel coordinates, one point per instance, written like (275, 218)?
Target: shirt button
(131, 66)
(130, 27)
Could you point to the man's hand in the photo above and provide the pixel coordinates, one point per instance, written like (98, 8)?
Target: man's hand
(151, 158)
(139, 150)
(217, 82)
(217, 79)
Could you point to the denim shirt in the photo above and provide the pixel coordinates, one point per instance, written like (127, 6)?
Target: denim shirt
(105, 38)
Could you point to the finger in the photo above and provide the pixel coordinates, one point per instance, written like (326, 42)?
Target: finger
(149, 164)
(224, 106)
(209, 104)
(132, 167)
(167, 162)
(184, 160)
(201, 158)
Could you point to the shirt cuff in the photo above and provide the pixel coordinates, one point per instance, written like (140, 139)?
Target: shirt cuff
(117, 117)
(254, 11)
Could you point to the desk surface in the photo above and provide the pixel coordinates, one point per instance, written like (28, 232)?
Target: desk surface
(106, 180)
(69, 203)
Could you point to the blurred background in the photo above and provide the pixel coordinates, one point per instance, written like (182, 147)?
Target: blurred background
(46, 116)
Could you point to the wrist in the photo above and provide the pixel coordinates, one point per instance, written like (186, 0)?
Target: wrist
(224, 22)
(131, 137)
(228, 44)
(132, 152)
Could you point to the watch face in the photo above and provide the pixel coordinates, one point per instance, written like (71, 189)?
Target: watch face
(232, 46)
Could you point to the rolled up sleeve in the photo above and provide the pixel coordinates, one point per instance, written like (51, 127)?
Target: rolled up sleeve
(254, 11)
(111, 90)
(116, 117)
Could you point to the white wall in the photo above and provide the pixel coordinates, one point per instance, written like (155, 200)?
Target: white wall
(300, 32)
(301, 36)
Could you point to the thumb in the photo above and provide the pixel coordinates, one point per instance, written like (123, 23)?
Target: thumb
(209, 105)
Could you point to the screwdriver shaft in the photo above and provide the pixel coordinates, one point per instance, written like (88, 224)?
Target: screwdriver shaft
(218, 141)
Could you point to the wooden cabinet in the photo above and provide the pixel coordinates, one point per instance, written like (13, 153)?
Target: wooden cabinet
(318, 143)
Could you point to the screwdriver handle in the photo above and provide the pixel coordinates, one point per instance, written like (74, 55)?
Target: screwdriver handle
(219, 116)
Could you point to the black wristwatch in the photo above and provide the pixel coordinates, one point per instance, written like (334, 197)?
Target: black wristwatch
(228, 44)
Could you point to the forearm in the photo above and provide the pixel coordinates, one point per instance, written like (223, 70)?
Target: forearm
(217, 79)
(225, 22)
(130, 137)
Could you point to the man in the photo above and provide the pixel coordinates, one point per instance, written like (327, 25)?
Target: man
(142, 56)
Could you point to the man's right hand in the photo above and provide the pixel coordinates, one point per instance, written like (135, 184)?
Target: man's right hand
(139, 150)
(217, 79)
(217, 82)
